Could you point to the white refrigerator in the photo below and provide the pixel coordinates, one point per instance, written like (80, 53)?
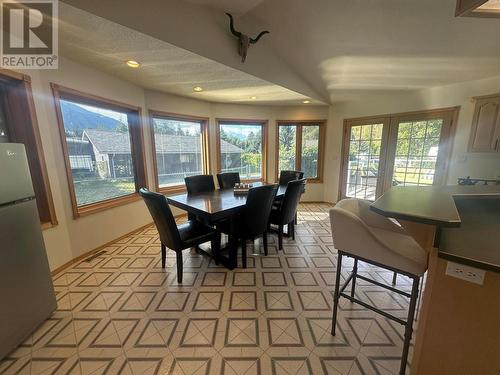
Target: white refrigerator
(26, 292)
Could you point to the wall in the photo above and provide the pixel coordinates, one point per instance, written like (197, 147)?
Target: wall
(71, 238)
(462, 164)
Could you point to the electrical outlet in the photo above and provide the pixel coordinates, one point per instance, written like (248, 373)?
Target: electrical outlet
(461, 271)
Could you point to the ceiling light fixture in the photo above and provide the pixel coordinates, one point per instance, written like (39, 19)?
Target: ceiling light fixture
(133, 63)
(306, 101)
(198, 89)
(253, 97)
(478, 8)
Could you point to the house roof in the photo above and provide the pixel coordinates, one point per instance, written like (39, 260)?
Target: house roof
(108, 142)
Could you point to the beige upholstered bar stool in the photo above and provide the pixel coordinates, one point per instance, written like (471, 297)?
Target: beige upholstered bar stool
(366, 236)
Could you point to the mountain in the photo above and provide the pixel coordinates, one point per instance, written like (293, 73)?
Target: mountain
(77, 118)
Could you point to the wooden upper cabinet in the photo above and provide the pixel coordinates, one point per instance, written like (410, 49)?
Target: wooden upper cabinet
(485, 132)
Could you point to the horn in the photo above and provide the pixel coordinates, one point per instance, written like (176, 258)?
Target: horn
(231, 26)
(255, 40)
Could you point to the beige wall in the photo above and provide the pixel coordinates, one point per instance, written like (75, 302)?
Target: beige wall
(71, 237)
(462, 163)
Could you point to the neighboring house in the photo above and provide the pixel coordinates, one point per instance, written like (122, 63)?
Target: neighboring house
(107, 153)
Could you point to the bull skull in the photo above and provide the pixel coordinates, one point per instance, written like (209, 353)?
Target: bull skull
(244, 41)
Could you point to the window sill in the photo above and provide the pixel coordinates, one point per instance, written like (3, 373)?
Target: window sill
(48, 225)
(170, 190)
(92, 208)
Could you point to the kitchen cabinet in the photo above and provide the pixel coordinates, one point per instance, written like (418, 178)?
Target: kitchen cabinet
(485, 132)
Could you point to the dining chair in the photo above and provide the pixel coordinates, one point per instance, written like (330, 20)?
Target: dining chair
(228, 180)
(366, 236)
(177, 237)
(199, 184)
(283, 212)
(252, 221)
(287, 176)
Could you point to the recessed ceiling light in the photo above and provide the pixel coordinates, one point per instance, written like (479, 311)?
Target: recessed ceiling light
(306, 101)
(133, 63)
(197, 89)
(253, 97)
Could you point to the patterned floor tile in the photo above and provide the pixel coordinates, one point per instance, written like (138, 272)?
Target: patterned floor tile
(121, 313)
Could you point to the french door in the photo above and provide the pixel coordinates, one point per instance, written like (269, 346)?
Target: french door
(395, 150)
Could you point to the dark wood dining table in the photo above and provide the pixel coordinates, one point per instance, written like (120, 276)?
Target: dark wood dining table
(214, 206)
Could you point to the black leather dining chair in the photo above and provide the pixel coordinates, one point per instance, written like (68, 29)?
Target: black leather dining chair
(177, 237)
(252, 221)
(284, 212)
(287, 176)
(228, 180)
(199, 184)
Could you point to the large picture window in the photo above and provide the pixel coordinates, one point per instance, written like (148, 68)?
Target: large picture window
(300, 147)
(102, 143)
(180, 148)
(241, 148)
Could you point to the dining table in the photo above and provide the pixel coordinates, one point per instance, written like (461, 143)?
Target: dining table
(214, 206)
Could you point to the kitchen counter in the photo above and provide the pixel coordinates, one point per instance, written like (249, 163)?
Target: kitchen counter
(467, 219)
(457, 331)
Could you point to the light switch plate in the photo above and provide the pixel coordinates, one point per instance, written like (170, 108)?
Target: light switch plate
(467, 273)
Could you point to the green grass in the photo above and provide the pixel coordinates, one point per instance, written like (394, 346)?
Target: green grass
(96, 190)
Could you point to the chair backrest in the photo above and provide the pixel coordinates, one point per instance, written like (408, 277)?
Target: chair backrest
(163, 218)
(228, 180)
(199, 184)
(288, 207)
(257, 210)
(287, 176)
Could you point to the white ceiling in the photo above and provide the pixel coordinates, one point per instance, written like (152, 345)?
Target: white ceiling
(105, 45)
(331, 50)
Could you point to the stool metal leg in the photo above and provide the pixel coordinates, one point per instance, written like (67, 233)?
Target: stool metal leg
(354, 273)
(409, 325)
(394, 278)
(336, 295)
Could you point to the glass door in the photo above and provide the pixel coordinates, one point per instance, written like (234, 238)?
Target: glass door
(397, 150)
(418, 148)
(364, 145)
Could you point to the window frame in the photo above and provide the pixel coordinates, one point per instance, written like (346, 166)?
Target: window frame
(203, 121)
(299, 124)
(136, 142)
(20, 109)
(249, 122)
(388, 149)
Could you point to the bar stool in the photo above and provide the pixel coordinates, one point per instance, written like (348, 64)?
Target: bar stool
(366, 236)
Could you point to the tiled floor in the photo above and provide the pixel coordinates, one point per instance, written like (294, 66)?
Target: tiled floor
(121, 313)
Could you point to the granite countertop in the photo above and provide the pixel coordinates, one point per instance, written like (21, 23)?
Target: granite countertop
(467, 219)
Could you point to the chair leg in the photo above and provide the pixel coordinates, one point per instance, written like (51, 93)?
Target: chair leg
(215, 245)
(336, 294)
(409, 325)
(163, 255)
(295, 219)
(264, 240)
(244, 252)
(179, 266)
(291, 230)
(354, 273)
(394, 278)
(280, 237)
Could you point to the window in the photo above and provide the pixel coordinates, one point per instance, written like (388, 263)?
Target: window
(18, 123)
(102, 143)
(300, 147)
(180, 148)
(395, 150)
(241, 148)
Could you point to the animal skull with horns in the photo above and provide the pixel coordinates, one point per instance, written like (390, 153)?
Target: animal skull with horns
(244, 41)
